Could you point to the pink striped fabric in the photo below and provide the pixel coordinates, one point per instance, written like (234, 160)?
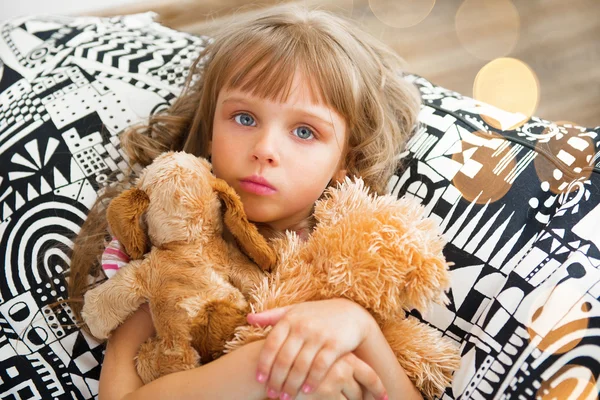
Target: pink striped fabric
(113, 258)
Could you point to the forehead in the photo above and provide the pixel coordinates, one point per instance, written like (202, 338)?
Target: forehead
(296, 93)
(281, 86)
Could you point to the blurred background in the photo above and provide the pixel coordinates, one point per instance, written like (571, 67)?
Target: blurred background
(535, 57)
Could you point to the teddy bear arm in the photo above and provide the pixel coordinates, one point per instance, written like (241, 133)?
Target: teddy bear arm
(428, 359)
(109, 304)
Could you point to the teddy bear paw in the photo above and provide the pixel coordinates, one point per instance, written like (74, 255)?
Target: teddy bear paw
(99, 320)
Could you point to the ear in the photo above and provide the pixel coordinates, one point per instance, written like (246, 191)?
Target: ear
(124, 215)
(245, 233)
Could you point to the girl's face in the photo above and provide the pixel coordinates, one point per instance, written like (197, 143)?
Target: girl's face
(295, 147)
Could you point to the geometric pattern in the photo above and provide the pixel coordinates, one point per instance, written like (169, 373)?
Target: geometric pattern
(519, 209)
(67, 87)
(517, 206)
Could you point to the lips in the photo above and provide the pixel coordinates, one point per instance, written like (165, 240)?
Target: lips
(257, 184)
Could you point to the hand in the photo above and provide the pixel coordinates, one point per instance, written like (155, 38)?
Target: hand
(306, 341)
(349, 378)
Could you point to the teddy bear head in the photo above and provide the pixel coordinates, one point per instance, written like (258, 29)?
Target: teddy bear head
(182, 203)
(178, 199)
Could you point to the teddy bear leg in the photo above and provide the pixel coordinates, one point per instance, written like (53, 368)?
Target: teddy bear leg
(428, 359)
(157, 358)
(215, 325)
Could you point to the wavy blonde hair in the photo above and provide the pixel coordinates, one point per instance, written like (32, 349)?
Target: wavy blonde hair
(349, 71)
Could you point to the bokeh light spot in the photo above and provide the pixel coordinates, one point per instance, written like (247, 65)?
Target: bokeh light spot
(572, 381)
(566, 335)
(511, 85)
(566, 155)
(486, 172)
(401, 13)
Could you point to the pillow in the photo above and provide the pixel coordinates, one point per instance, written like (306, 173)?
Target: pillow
(67, 87)
(517, 207)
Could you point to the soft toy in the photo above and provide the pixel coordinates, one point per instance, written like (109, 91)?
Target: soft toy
(196, 283)
(380, 252)
(375, 250)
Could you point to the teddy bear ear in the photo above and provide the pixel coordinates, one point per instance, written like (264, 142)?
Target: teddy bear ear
(124, 216)
(245, 232)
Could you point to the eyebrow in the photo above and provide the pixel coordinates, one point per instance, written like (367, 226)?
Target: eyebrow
(298, 111)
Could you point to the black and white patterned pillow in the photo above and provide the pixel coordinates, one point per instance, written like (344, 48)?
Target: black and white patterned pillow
(517, 206)
(67, 87)
(520, 210)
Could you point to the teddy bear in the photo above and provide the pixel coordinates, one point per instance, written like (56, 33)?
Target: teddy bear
(380, 252)
(196, 283)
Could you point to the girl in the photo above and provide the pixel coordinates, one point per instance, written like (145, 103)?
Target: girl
(285, 104)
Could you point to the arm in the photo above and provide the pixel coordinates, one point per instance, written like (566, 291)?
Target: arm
(229, 377)
(308, 338)
(118, 375)
(376, 352)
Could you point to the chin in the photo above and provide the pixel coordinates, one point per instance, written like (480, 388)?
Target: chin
(258, 215)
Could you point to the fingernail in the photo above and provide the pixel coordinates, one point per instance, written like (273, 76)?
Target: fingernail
(285, 396)
(262, 378)
(306, 388)
(272, 394)
(385, 397)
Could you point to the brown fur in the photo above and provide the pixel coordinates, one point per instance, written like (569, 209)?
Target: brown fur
(380, 106)
(124, 216)
(381, 253)
(377, 251)
(246, 234)
(194, 280)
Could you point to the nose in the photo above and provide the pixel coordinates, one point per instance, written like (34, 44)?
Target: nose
(266, 146)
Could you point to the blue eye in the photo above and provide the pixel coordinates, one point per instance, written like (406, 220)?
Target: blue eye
(304, 132)
(244, 119)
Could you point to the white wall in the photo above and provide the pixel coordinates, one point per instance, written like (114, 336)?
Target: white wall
(14, 8)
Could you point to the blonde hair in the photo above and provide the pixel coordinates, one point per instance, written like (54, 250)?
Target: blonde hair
(349, 71)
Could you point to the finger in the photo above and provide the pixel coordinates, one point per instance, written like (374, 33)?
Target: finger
(299, 372)
(335, 380)
(367, 395)
(367, 377)
(283, 364)
(268, 317)
(273, 343)
(352, 390)
(322, 362)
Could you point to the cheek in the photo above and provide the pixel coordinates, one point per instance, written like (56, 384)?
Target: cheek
(311, 173)
(221, 144)
(319, 163)
(219, 156)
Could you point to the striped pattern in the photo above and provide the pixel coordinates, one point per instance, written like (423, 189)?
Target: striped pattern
(113, 258)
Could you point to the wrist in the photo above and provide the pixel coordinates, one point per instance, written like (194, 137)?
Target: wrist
(371, 333)
(365, 320)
